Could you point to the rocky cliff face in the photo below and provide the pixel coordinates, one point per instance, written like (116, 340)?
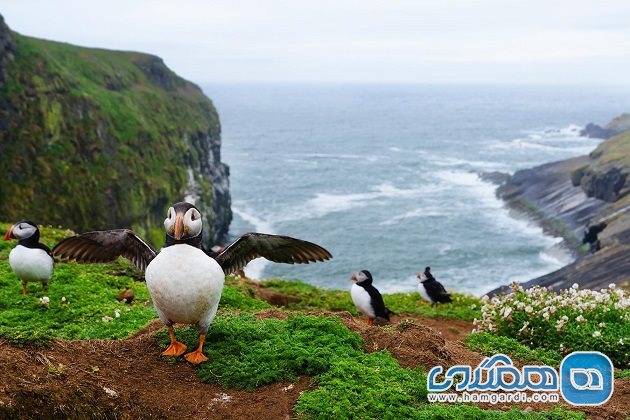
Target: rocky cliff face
(566, 196)
(98, 139)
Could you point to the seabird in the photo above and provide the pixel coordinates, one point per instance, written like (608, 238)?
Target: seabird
(185, 283)
(431, 289)
(367, 298)
(30, 259)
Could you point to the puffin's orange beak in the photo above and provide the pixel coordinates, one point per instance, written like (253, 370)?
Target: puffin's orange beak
(179, 227)
(9, 234)
(353, 277)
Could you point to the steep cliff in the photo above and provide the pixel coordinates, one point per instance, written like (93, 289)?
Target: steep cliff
(96, 139)
(565, 196)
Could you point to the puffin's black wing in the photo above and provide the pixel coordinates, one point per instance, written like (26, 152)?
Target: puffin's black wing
(280, 249)
(105, 246)
(380, 310)
(437, 292)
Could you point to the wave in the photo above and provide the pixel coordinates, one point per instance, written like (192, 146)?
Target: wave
(323, 204)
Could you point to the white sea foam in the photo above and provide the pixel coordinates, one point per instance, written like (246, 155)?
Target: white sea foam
(323, 204)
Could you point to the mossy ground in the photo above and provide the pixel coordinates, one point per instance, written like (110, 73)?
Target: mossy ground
(244, 352)
(307, 297)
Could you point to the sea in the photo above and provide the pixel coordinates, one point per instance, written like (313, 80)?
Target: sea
(385, 176)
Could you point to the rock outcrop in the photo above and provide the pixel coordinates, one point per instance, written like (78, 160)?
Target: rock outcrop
(565, 197)
(617, 126)
(99, 139)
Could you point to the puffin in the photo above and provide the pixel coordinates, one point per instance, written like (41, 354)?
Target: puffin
(367, 298)
(431, 289)
(30, 259)
(184, 281)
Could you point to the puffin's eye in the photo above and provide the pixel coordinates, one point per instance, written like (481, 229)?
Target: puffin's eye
(192, 216)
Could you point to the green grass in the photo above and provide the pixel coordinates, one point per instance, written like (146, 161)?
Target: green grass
(246, 353)
(313, 298)
(90, 291)
(489, 344)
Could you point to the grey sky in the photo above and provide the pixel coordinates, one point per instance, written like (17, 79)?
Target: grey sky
(427, 41)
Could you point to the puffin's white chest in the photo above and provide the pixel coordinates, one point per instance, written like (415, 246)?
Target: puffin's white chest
(362, 300)
(423, 293)
(185, 284)
(31, 264)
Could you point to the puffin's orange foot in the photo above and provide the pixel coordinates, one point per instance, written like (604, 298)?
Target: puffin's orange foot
(196, 357)
(370, 321)
(175, 349)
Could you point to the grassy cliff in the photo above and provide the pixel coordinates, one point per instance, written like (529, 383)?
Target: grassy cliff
(95, 139)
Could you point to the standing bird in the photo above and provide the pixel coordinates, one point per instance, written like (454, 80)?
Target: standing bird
(367, 298)
(185, 283)
(30, 259)
(431, 289)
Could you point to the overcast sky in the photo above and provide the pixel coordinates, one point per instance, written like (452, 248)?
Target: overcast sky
(419, 41)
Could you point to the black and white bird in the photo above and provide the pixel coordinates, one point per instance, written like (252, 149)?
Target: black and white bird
(431, 289)
(30, 259)
(185, 283)
(367, 298)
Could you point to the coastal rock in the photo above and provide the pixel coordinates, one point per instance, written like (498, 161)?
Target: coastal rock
(617, 126)
(565, 197)
(98, 139)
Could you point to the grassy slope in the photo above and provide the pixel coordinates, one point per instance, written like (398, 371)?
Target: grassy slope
(84, 120)
(244, 352)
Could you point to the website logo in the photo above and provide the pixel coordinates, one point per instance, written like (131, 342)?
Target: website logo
(586, 378)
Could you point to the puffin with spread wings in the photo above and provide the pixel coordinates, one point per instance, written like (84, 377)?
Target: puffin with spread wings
(184, 282)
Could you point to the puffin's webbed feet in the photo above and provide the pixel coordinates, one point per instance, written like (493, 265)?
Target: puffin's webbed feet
(197, 356)
(176, 348)
(370, 321)
(23, 288)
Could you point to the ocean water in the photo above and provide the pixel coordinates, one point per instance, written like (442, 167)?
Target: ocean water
(383, 176)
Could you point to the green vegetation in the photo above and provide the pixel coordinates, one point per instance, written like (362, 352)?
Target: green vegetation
(245, 353)
(571, 320)
(307, 297)
(93, 128)
(489, 345)
(90, 309)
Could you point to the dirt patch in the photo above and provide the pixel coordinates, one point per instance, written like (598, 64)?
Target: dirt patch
(127, 379)
(124, 379)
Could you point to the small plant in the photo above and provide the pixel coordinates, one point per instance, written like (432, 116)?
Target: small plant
(568, 321)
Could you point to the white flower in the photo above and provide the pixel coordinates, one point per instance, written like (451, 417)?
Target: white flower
(602, 324)
(507, 311)
(523, 327)
(529, 309)
(107, 318)
(574, 286)
(63, 299)
(45, 300)
(612, 286)
(620, 342)
(580, 318)
(117, 313)
(473, 306)
(596, 334)
(546, 315)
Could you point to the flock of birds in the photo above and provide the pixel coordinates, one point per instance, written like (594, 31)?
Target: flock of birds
(184, 280)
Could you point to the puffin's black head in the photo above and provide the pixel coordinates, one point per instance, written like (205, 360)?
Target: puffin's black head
(426, 269)
(23, 229)
(183, 221)
(362, 277)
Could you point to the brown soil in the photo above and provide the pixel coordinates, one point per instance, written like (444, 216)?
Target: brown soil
(129, 379)
(124, 379)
